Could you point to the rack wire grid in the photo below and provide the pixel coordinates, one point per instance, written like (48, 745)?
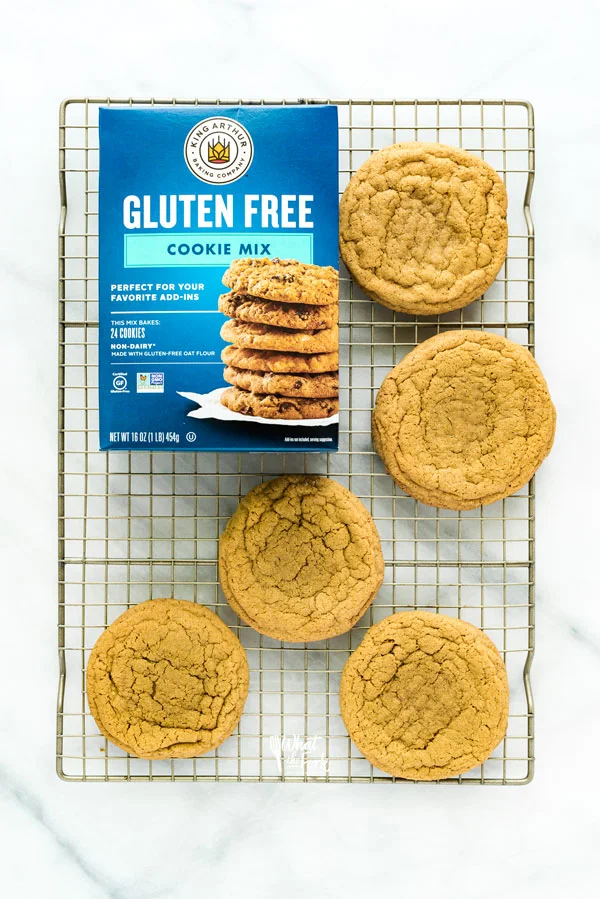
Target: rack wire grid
(135, 526)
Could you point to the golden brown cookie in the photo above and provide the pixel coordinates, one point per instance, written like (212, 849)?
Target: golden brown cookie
(289, 408)
(300, 559)
(271, 360)
(298, 316)
(309, 386)
(464, 420)
(284, 280)
(425, 696)
(264, 337)
(167, 679)
(423, 227)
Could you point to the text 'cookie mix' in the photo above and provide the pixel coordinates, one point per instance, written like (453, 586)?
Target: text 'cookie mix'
(218, 268)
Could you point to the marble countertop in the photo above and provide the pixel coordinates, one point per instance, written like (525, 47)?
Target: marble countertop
(181, 840)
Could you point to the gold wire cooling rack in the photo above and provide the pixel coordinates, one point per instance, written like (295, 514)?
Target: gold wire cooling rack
(135, 526)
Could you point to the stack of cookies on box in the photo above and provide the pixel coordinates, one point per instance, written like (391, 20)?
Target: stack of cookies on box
(283, 358)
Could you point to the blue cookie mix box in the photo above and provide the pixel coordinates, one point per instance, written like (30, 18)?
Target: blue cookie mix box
(218, 246)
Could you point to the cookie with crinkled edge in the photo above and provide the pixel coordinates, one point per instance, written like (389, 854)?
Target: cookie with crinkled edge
(423, 227)
(284, 280)
(464, 420)
(289, 408)
(271, 360)
(297, 316)
(300, 559)
(425, 696)
(167, 679)
(307, 386)
(265, 337)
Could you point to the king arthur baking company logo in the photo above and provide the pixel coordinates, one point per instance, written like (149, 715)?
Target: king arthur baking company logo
(218, 150)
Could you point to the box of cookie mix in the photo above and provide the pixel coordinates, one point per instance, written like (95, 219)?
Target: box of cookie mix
(218, 278)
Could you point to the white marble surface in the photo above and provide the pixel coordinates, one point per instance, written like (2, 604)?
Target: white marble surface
(183, 840)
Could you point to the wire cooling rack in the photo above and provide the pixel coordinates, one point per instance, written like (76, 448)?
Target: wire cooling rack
(135, 526)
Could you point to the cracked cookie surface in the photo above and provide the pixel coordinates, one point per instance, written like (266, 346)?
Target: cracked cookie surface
(285, 280)
(308, 386)
(271, 360)
(423, 227)
(300, 559)
(464, 420)
(265, 337)
(167, 679)
(425, 696)
(299, 316)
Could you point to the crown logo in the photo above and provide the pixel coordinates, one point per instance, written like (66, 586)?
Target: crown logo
(218, 152)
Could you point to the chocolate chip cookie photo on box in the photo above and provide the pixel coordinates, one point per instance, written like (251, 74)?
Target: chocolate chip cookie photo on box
(267, 337)
(283, 280)
(464, 420)
(300, 559)
(423, 227)
(167, 679)
(310, 386)
(282, 408)
(280, 363)
(425, 696)
(297, 316)
(283, 329)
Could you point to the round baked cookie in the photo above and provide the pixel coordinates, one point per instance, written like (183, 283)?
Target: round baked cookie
(290, 408)
(271, 360)
(308, 386)
(464, 420)
(167, 679)
(423, 227)
(298, 316)
(264, 337)
(425, 696)
(284, 280)
(300, 559)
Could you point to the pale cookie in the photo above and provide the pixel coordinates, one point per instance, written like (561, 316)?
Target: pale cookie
(269, 360)
(298, 316)
(284, 280)
(300, 559)
(264, 337)
(423, 227)
(425, 696)
(309, 386)
(289, 408)
(464, 420)
(167, 679)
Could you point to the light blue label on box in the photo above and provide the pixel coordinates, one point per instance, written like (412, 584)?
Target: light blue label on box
(160, 250)
(184, 192)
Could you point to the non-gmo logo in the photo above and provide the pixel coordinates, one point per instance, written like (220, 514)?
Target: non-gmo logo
(150, 382)
(218, 150)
